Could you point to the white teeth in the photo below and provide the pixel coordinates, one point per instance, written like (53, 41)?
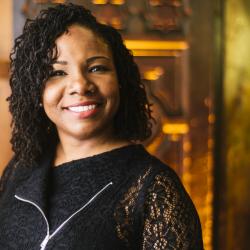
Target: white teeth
(82, 108)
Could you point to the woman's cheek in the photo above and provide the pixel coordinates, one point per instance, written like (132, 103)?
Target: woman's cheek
(51, 95)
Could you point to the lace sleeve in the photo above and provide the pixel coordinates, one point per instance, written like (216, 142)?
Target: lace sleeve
(170, 219)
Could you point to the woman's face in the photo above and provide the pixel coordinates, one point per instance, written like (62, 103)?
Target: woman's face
(82, 95)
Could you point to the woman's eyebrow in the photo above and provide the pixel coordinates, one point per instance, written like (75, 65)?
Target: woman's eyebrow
(91, 59)
(61, 62)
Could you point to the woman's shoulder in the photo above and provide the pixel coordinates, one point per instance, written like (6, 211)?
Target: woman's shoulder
(7, 174)
(164, 182)
(158, 198)
(153, 180)
(13, 172)
(160, 183)
(169, 210)
(153, 169)
(161, 172)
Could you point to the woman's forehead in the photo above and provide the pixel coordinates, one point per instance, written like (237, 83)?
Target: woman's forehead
(82, 39)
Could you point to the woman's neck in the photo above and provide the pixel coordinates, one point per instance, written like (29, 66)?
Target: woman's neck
(66, 152)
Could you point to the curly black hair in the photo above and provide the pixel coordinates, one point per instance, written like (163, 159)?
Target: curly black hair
(31, 65)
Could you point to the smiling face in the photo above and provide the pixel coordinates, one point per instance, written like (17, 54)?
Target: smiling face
(82, 95)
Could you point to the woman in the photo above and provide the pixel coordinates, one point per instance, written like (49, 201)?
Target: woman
(78, 180)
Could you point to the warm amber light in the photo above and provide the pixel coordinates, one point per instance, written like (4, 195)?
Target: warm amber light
(155, 45)
(175, 128)
(152, 148)
(211, 118)
(99, 1)
(153, 74)
(175, 137)
(118, 2)
(187, 146)
(155, 53)
(187, 177)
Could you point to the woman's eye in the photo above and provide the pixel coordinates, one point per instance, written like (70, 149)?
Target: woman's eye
(58, 73)
(98, 68)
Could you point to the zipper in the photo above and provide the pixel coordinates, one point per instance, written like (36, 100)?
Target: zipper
(48, 236)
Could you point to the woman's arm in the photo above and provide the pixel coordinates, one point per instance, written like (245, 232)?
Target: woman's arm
(170, 218)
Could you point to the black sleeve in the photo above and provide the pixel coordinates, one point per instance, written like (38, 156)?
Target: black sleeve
(170, 218)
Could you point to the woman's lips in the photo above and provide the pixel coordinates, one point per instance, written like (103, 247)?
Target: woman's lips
(83, 111)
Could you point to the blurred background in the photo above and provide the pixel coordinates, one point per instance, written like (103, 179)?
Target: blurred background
(194, 58)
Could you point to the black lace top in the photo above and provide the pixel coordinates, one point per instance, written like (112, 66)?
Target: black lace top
(121, 199)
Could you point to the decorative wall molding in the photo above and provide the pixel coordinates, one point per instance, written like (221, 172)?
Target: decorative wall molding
(155, 17)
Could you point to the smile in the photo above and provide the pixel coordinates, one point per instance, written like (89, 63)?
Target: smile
(84, 108)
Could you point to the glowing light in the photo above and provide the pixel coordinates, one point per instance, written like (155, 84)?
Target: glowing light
(174, 137)
(99, 1)
(164, 53)
(175, 128)
(211, 118)
(187, 177)
(153, 74)
(156, 48)
(152, 148)
(155, 45)
(187, 146)
(118, 2)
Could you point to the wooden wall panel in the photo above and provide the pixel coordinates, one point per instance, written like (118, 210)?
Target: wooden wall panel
(5, 148)
(5, 47)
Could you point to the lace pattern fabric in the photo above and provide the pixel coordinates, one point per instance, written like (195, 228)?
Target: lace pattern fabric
(170, 220)
(125, 210)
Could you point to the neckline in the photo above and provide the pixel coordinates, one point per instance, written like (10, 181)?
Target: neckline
(104, 156)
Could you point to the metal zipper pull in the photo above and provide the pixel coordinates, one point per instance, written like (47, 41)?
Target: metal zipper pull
(44, 243)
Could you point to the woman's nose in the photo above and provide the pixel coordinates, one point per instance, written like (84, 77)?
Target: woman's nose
(81, 85)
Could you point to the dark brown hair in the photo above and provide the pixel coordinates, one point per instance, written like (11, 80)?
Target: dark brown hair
(31, 64)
